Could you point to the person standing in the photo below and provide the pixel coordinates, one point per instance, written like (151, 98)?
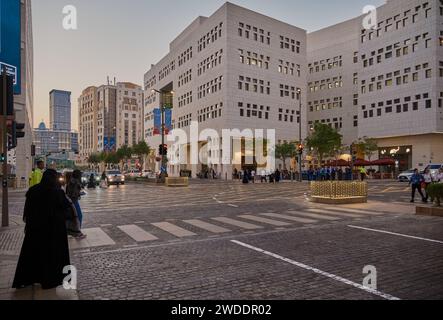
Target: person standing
(45, 250)
(73, 191)
(363, 173)
(416, 181)
(427, 177)
(277, 176)
(37, 174)
(439, 178)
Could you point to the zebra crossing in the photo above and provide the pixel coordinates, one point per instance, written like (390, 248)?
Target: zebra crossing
(107, 235)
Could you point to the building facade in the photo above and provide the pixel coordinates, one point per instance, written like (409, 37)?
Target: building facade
(110, 116)
(129, 114)
(60, 110)
(236, 69)
(48, 141)
(392, 75)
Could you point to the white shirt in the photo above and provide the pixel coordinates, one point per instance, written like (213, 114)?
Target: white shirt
(428, 178)
(440, 178)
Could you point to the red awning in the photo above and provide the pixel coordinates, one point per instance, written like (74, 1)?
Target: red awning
(362, 163)
(338, 163)
(383, 162)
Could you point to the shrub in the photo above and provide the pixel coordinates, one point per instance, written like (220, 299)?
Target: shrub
(435, 192)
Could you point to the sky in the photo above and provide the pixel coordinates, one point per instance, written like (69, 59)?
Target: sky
(123, 38)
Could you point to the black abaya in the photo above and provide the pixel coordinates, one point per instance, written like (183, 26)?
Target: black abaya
(45, 250)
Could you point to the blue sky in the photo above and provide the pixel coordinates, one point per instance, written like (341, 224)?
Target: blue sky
(123, 38)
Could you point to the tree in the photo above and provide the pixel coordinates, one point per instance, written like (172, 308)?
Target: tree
(94, 159)
(124, 153)
(112, 158)
(324, 140)
(284, 151)
(142, 149)
(369, 146)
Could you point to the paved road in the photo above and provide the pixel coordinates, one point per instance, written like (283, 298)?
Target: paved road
(231, 241)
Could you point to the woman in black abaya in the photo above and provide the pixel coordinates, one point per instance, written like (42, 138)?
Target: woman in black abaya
(45, 250)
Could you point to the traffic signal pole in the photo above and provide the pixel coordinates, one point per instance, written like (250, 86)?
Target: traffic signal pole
(5, 204)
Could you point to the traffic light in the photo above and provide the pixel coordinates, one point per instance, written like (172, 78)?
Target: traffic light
(2, 157)
(9, 95)
(15, 131)
(160, 150)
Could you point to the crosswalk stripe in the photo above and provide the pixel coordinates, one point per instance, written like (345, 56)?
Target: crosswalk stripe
(265, 220)
(174, 230)
(291, 218)
(137, 233)
(95, 237)
(313, 215)
(336, 213)
(236, 223)
(207, 226)
(357, 211)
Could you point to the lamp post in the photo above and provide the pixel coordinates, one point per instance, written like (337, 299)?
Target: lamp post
(300, 151)
(164, 169)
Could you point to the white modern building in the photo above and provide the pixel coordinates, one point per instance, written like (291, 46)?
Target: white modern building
(388, 80)
(236, 69)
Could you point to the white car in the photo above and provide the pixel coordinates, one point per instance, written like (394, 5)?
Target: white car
(148, 174)
(114, 177)
(406, 176)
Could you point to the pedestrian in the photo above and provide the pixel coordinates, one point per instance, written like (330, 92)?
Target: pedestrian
(92, 183)
(439, 177)
(253, 176)
(427, 177)
(363, 173)
(45, 251)
(37, 174)
(277, 176)
(73, 190)
(263, 176)
(103, 183)
(340, 174)
(416, 181)
(333, 174)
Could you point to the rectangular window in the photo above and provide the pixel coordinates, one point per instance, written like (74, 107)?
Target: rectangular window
(428, 104)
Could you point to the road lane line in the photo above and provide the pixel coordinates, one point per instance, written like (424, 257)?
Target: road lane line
(236, 223)
(313, 215)
(336, 213)
(233, 205)
(357, 211)
(137, 233)
(318, 271)
(396, 234)
(265, 220)
(291, 218)
(206, 226)
(174, 230)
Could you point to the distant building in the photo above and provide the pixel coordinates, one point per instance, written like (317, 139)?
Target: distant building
(51, 142)
(60, 110)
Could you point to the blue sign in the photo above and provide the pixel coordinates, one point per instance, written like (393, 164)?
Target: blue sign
(109, 144)
(157, 122)
(168, 121)
(10, 40)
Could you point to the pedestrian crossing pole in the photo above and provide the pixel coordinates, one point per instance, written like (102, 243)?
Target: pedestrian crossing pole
(4, 150)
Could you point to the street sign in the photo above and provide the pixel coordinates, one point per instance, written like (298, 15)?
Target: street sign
(10, 40)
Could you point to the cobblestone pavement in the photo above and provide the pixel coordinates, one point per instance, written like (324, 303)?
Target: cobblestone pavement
(230, 241)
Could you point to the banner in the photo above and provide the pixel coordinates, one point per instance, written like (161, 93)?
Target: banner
(168, 121)
(157, 122)
(10, 40)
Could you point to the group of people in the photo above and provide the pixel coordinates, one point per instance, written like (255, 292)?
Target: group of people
(335, 174)
(51, 213)
(420, 182)
(248, 175)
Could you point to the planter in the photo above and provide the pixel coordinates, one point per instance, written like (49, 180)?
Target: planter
(339, 192)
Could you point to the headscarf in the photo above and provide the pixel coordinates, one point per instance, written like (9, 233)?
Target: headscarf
(49, 180)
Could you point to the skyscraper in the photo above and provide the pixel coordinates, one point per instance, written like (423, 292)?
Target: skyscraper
(60, 110)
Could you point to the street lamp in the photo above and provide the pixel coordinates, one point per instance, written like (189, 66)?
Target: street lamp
(300, 151)
(164, 169)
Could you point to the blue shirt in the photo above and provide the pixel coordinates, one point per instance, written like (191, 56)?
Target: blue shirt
(416, 178)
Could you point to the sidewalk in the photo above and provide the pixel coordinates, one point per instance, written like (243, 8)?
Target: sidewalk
(11, 240)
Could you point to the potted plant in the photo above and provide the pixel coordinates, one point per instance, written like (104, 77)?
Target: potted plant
(435, 192)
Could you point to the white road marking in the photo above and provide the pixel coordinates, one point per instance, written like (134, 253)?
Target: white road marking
(396, 234)
(137, 233)
(95, 237)
(357, 211)
(174, 230)
(233, 205)
(265, 220)
(318, 271)
(236, 223)
(291, 218)
(313, 215)
(336, 213)
(207, 226)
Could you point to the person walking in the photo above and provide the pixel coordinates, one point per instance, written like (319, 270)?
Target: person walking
(45, 250)
(277, 176)
(253, 176)
(73, 191)
(92, 183)
(416, 181)
(427, 181)
(37, 174)
(363, 173)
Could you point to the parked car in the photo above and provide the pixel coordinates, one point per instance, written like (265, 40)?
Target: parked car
(148, 174)
(433, 169)
(405, 176)
(114, 177)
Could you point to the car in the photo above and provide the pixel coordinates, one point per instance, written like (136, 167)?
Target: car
(434, 169)
(114, 177)
(148, 174)
(405, 176)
